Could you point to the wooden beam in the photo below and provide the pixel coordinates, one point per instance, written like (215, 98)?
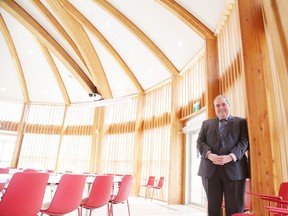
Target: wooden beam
(188, 18)
(140, 35)
(53, 21)
(86, 48)
(85, 22)
(212, 76)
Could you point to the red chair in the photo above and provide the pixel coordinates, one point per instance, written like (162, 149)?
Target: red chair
(24, 194)
(123, 193)
(2, 185)
(67, 197)
(158, 187)
(30, 170)
(279, 211)
(279, 199)
(100, 193)
(147, 186)
(242, 214)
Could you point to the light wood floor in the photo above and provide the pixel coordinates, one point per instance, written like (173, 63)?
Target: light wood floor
(140, 207)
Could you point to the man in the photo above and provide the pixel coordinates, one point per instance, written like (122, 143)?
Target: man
(222, 144)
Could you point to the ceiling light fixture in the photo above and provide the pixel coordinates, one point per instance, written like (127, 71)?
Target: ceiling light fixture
(180, 43)
(100, 103)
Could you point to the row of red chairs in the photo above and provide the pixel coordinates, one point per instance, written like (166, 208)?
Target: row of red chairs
(150, 185)
(277, 204)
(25, 193)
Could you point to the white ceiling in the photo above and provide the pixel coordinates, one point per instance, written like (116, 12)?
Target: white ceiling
(169, 34)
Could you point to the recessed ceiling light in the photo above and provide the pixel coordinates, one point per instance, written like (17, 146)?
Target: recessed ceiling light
(180, 43)
(150, 71)
(31, 52)
(3, 88)
(45, 92)
(107, 24)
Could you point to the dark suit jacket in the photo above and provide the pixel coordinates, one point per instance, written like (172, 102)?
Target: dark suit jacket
(235, 140)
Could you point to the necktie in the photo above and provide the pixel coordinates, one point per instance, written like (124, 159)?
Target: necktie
(222, 124)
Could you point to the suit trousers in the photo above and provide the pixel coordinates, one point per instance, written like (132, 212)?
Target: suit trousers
(219, 184)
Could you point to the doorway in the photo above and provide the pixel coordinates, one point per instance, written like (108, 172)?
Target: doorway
(194, 191)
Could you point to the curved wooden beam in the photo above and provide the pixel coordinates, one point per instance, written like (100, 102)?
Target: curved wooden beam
(15, 58)
(85, 46)
(51, 19)
(42, 35)
(85, 22)
(140, 35)
(188, 18)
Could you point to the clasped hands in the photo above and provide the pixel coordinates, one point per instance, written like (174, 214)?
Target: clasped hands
(219, 159)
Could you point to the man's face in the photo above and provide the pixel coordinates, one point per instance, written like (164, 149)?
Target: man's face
(222, 108)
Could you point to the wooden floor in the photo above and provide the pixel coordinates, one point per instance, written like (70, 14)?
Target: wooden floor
(140, 207)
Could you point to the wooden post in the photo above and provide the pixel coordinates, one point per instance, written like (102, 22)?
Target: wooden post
(263, 157)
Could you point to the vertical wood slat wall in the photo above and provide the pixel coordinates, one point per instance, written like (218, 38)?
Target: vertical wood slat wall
(231, 79)
(276, 26)
(193, 85)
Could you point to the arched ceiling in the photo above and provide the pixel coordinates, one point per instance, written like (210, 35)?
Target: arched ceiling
(59, 51)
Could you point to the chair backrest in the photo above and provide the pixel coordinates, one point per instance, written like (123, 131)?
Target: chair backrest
(24, 194)
(160, 182)
(30, 170)
(151, 181)
(3, 171)
(100, 193)
(124, 189)
(283, 191)
(68, 194)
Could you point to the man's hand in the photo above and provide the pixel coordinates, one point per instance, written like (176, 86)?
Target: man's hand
(219, 159)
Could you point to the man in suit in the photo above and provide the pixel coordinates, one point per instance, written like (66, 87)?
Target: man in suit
(223, 166)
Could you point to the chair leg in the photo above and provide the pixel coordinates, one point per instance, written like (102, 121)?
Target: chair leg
(152, 194)
(128, 207)
(108, 210)
(111, 210)
(79, 211)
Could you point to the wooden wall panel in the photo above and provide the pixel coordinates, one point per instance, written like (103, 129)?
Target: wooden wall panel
(264, 154)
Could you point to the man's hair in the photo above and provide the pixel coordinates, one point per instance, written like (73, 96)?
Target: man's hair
(221, 96)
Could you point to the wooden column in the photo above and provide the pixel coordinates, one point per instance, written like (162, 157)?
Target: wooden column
(263, 157)
(212, 75)
(138, 143)
(276, 28)
(101, 129)
(20, 136)
(176, 170)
